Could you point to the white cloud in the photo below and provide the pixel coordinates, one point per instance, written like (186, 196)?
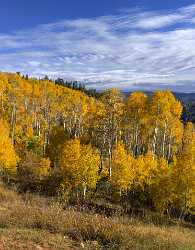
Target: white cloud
(129, 50)
(155, 22)
(152, 20)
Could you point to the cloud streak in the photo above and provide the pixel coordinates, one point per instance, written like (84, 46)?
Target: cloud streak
(136, 49)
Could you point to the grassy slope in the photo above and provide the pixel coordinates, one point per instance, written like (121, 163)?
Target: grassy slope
(32, 222)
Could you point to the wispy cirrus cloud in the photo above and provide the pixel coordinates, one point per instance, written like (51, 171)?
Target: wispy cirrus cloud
(155, 20)
(135, 49)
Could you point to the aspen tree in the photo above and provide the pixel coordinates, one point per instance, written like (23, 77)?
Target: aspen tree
(162, 188)
(111, 125)
(146, 169)
(165, 126)
(79, 165)
(122, 168)
(8, 158)
(183, 172)
(135, 119)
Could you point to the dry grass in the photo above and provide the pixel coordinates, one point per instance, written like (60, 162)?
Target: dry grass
(31, 222)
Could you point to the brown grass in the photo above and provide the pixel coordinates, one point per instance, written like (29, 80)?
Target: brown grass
(32, 222)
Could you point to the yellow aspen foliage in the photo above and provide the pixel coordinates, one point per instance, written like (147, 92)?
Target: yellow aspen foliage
(70, 156)
(135, 119)
(89, 161)
(164, 105)
(146, 168)
(3, 87)
(8, 158)
(183, 172)
(165, 126)
(122, 168)
(79, 164)
(162, 188)
(137, 104)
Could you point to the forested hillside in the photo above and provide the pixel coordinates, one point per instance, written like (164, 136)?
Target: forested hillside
(135, 151)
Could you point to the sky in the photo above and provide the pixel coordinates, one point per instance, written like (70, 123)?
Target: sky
(128, 44)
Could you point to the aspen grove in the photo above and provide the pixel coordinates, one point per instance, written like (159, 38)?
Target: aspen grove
(59, 141)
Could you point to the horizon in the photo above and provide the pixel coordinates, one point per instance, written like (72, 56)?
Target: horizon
(132, 46)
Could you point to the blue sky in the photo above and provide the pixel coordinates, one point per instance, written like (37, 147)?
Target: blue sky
(143, 44)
